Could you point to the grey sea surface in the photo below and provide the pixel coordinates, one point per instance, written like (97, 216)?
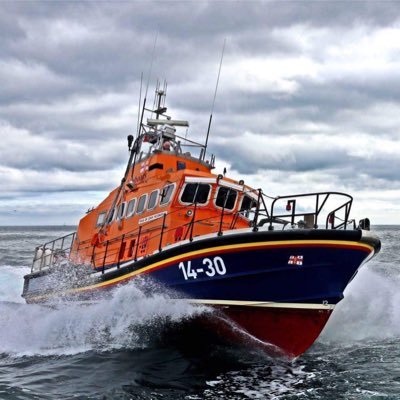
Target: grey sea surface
(116, 348)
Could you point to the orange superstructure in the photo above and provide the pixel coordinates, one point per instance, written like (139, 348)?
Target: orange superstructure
(164, 191)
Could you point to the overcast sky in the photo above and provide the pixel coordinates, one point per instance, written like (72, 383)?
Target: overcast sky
(308, 100)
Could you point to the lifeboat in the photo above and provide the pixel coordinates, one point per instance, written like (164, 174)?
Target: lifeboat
(275, 267)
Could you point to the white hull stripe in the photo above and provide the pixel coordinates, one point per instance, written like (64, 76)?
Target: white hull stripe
(266, 304)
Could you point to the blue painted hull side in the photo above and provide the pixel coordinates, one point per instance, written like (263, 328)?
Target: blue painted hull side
(265, 275)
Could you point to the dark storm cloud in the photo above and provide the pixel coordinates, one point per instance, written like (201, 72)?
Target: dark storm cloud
(107, 44)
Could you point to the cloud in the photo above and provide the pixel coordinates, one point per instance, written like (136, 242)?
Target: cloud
(21, 149)
(357, 159)
(308, 97)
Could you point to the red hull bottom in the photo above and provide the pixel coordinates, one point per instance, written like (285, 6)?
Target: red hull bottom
(284, 331)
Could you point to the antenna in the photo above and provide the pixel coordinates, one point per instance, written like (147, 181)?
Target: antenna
(165, 92)
(155, 98)
(147, 87)
(151, 64)
(140, 100)
(213, 103)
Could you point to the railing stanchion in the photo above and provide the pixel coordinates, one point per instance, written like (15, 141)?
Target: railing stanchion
(223, 211)
(35, 257)
(192, 223)
(255, 220)
(221, 220)
(138, 241)
(105, 256)
(51, 261)
(234, 220)
(119, 252)
(93, 256)
(293, 202)
(162, 232)
(72, 243)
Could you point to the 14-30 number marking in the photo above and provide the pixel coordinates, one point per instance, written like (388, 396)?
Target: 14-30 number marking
(213, 267)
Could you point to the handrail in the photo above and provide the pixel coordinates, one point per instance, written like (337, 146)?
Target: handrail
(45, 254)
(255, 221)
(137, 244)
(192, 222)
(100, 256)
(291, 204)
(333, 216)
(162, 232)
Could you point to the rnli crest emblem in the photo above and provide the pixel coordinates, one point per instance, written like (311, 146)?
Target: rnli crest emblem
(295, 260)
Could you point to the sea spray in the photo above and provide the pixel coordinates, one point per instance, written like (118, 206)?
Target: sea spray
(369, 309)
(126, 319)
(11, 283)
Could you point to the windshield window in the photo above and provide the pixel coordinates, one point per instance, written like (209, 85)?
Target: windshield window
(195, 193)
(248, 205)
(226, 198)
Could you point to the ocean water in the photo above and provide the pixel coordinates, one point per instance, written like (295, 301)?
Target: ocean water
(131, 346)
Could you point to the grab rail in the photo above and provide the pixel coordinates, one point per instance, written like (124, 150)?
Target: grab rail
(48, 253)
(58, 247)
(320, 200)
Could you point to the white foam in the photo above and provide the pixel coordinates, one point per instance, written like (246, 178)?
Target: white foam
(272, 381)
(124, 320)
(369, 310)
(11, 283)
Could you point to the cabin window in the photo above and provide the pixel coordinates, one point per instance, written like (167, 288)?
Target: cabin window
(152, 199)
(111, 215)
(101, 218)
(121, 211)
(156, 166)
(166, 194)
(130, 210)
(226, 198)
(195, 193)
(141, 204)
(248, 205)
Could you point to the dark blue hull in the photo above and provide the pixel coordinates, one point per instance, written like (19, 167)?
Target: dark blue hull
(265, 274)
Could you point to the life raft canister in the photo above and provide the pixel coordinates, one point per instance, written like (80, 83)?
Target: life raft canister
(48, 257)
(38, 259)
